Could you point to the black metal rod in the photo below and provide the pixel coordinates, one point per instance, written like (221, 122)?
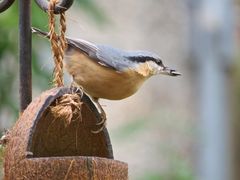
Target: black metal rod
(25, 53)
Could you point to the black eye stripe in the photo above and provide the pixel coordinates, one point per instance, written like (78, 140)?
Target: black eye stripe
(144, 59)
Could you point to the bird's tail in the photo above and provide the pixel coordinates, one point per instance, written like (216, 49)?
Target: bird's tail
(40, 32)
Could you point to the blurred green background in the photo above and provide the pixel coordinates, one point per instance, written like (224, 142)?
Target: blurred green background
(9, 53)
(159, 122)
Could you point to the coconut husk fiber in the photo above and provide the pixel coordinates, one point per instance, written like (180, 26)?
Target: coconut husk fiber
(49, 143)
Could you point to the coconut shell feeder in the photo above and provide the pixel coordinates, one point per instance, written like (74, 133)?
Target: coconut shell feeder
(43, 147)
(53, 137)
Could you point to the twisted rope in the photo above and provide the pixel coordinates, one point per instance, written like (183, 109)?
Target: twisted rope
(63, 40)
(58, 44)
(67, 107)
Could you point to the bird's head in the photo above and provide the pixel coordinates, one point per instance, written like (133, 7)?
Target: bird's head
(149, 64)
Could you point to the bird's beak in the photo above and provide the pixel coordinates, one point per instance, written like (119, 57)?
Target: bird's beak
(169, 72)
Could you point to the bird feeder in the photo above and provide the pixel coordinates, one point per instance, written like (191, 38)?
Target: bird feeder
(42, 147)
(45, 145)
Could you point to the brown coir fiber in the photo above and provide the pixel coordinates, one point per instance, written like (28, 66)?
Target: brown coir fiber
(66, 108)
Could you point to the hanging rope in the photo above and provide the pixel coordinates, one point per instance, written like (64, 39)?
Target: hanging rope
(67, 107)
(58, 43)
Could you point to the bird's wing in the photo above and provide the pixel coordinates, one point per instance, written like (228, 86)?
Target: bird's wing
(104, 55)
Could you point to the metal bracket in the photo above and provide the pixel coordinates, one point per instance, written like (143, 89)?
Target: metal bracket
(61, 6)
(5, 4)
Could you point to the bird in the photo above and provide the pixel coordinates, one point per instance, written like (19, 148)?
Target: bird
(105, 72)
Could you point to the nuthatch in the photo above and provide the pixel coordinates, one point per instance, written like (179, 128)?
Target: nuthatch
(109, 73)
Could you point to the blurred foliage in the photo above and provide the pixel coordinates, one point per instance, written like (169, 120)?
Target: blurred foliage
(94, 11)
(9, 98)
(8, 54)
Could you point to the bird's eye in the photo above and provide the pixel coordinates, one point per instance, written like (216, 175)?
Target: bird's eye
(159, 62)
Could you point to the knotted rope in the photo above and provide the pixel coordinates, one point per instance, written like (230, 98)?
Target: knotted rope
(67, 107)
(58, 43)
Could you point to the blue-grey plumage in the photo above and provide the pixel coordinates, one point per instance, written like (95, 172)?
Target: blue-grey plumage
(110, 73)
(118, 59)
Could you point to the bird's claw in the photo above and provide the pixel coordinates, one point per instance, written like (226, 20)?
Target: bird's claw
(76, 89)
(98, 130)
(102, 123)
(103, 117)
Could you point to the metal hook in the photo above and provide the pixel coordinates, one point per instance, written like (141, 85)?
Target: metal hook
(5, 4)
(61, 6)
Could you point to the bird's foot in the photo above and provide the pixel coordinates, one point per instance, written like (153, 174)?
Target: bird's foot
(76, 89)
(98, 130)
(102, 123)
(103, 116)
